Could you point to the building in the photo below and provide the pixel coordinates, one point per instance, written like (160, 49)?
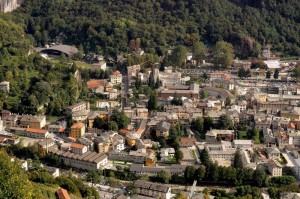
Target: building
(187, 142)
(289, 195)
(154, 190)
(223, 83)
(87, 161)
(274, 168)
(62, 194)
(219, 152)
(162, 129)
(242, 144)
(213, 135)
(30, 132)
(266, 52)
(273, 153)
(32, 121)
(77, 130)
(216, 75)
(113, 94)
(78, 148)
(46, 143)
(191, 92)
(116, 77)
(133, 156)
(4, 86)
(166, 154)
(292, 113)
(79, 107)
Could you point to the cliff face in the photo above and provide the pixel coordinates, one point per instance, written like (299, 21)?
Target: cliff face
(9, 5)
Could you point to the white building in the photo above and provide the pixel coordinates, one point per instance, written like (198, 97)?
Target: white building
(116, 77)
(219, 152)
(4, 86)
(166, 153)
(78, 148)
(242, 144)
(274, 168)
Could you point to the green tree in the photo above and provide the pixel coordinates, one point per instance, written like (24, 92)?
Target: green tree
(198, 51)
(204, 157)
(200, 173)
(237, 160)
(189, 174)
(99, 123)
(14, 182)
(180, 195)
(131, 189)
(241, 72)
(259, 177)
(93, 177)
(152, 102)
(296, 73)
(227, 101)
(113, 126)
(223, 54)
(225, 122)
(204, 94)
(164, 176)
(208, 123)
(276, 74)
(178, 56)
(268, 75)
(157, 83)
(178, 155)
(197, 125)
(151, 80)
(120, 118)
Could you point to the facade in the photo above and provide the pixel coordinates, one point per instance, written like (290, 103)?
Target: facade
(87, 161)
(274, 168)
(78, 148)
(30, 132)
(116, 78)
(154, 170)
(162, 129)
(154, 190)
(132, 156)
(213, 135)
(219, 152)
(79, 107)
(296, 168)
(242, 144)
(33, 121)
(166, 153)
(4, 86)
(77, 130)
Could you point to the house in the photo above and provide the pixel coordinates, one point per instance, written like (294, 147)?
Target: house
(131, 138)
(142, 169)
(30, 132)
(30, 121)
(166, 154)
(46, 143)
(219, 152)
(52, 170)
(86, 142)
(292, 113)
(296, 168)
(187, 142)
(154, 190)
(62, 194)
(96, 85)
(4, 86)
(79, 106)
(133, 156)
(78, 148)
(274, 168)
(162, 129)
(266, 52)
(242, 144)
(223, 83)
(77, 130)
(116, 77)
(55, 128)
(273, 152)
(190, 92)
(289, 195)
(113, 94)
(87, 161)
(214, 134)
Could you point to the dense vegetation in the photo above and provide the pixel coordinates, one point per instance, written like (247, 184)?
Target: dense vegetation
(113, 26)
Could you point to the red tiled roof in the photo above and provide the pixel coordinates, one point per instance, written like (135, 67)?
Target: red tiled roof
(116, 72)
(61, 130)
(95, 83)
(187, 140)
(77, 125)
(63, 194)
(123, 131)
(2, 139)
(40, 131)
(77, 146)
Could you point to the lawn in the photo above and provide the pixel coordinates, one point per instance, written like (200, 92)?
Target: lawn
(81, 64)
(242, 135)
(49, 191)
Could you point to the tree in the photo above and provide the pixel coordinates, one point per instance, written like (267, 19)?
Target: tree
(178, 155)
(237, 160)
(227, 101)
(225, 122)
(204, 94)
(138, 83)
(198, 51)
(200, 173)
(204, 157)
(223, 54)
(259, 177)
(241, 72)
(189, 174)
(99, 123)
(268, 75)
(296, 72)
(151, 80)
(120, 118)
(178, 56)
(131, 189)
(152, 102)
(157, 83)
(208, 123)
(164, 176)
(14, 182)
(276, 74)
(113, 126)
(93, 176)
(180, 195)
(197, 125)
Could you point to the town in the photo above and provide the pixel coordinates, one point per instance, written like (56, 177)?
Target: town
(187, 127)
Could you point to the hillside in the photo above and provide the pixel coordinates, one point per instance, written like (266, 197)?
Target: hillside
(107, 26)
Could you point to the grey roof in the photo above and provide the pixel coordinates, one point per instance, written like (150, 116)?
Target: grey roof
(152, 186)
(69, 50)
(163, 126)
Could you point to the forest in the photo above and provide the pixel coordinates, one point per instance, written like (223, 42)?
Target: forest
(108, 26)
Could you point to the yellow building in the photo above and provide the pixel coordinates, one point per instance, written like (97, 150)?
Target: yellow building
(131, 139)
(162, 129)
(103, 147)
(77, 130)
(293, 113)
(150, 160)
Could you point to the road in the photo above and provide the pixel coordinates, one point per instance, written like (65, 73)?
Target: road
(124, 91)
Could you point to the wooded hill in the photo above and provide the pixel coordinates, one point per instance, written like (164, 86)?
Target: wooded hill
(107, 26)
